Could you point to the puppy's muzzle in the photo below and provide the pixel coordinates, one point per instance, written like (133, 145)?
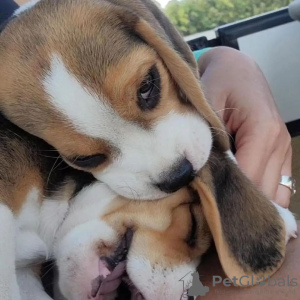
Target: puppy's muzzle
(179, 176)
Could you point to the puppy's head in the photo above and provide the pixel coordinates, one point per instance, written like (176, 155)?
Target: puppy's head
(169, 237)
(171, 234)
(114, 89)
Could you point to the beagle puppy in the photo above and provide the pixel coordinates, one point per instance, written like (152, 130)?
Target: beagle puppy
(101, 103)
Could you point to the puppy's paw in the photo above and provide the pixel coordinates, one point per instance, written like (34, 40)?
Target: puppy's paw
(289, 221)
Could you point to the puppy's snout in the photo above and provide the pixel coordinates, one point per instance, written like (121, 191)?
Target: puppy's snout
(180, 175)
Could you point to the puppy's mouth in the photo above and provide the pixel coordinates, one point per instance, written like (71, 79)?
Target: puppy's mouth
(113, 275)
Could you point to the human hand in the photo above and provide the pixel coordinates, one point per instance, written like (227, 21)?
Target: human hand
(239, 93)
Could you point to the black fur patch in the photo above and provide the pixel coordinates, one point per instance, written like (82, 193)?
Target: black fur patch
(54, 171)
(250, 222)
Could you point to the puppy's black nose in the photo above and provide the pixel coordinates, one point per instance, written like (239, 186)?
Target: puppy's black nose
(180, 175)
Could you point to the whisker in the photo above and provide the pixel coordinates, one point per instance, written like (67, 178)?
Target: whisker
(52, 169)
(21, 138)
(134, 193)
(54, 157)
(50, 269)
(221, 131)
(50, 150)
(150, 81)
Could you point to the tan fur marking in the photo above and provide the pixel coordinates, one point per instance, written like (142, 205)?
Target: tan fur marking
(124, 79)
(161, 227)
(14, 194)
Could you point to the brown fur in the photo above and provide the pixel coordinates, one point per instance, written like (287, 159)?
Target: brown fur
(18, 173)
(107, 66)
(121, 86)
(162, 228)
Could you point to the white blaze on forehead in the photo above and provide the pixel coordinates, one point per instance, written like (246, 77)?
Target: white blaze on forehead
(88, 113)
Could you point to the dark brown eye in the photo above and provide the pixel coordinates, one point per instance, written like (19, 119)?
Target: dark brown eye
(91, 161)
(149, 92)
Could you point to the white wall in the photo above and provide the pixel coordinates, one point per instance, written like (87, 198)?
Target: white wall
(277, 51)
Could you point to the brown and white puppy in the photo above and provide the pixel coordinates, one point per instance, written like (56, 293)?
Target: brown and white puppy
(80, 76)
(171, 234)
(110, 88)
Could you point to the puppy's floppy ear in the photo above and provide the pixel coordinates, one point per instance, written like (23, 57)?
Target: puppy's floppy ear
(149, 11)
(144, 19)
(248, 231)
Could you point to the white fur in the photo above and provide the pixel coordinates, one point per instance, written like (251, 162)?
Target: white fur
(30, 249)
(28, 219)
(25, 7)
(9, 289)
(86, 112)
(143, 154)
(167, 281)
(231, 156)
(52, 214)
(289, 221)
(30, 286)
(146, 155)
(90, 204)
(78, 257)
(29, 246)
(77, 239)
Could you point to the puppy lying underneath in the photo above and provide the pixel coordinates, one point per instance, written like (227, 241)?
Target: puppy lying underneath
(108, 90)
(171, 234)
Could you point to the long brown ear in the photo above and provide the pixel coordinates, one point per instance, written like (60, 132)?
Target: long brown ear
(149, 11)
(248, 231)
(145, 20)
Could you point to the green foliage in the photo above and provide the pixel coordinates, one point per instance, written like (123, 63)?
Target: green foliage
(191, 16)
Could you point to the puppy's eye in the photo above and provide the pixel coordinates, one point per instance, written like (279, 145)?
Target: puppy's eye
(91, 161)
(149, 92)
(146, 87)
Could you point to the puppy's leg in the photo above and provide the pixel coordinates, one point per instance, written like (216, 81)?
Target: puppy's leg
(30, 249)
(9, 289)
(289, 221)
(30, 285)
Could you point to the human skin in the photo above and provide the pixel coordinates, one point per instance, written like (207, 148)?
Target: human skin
(240, 94)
